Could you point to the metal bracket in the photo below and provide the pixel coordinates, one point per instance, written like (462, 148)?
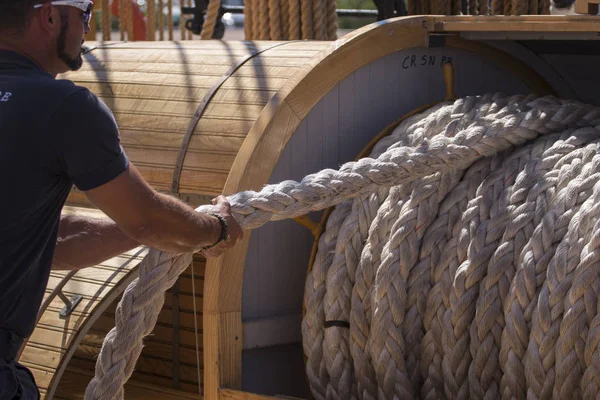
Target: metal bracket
(69, 304)
(308, 223)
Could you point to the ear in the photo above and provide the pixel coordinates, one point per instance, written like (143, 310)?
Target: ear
(49, 18)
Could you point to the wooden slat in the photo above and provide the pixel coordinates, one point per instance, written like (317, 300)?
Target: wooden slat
(152, 350)
(210, 181)
(169, 81)
(42, 375)
(148, 368)
(160, 334)
(110, 91)
(229, 394)
(167, 158)
(529, 23)
(75, 380)
(256, 70)
(179, 124)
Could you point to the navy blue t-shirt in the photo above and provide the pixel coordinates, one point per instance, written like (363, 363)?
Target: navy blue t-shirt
(53, 134)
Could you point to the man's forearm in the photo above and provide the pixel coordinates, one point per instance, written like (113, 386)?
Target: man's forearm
(174, 226)
(84, 242)
(157, 220)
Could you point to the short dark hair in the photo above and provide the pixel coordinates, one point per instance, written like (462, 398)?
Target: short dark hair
(16, 14)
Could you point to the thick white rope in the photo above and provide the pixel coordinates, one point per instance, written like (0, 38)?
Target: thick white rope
(525, 185)
(423, 164)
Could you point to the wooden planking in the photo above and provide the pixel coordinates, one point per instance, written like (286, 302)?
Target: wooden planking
(142, 91)
(215, 61)
(148, 368)
(184, 109)
(41, 374)
(73, 385)
(229, 394)
(229, 48)
(203, 142)
(192, 181)
(155, 363)
(198, 45)
(222, 328)
(192, 58)
(168, 81)
(256, 70)
(162, 333)
(76, 379)
(206, 161)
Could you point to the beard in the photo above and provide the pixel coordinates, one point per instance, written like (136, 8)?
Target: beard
(73, 63)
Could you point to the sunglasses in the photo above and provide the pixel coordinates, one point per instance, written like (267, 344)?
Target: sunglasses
(83, 5)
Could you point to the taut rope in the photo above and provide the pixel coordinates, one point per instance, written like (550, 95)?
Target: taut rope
(454, 214)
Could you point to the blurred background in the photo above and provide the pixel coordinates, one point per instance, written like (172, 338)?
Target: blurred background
(232, 27)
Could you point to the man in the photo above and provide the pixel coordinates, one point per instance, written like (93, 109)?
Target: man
(54, 134)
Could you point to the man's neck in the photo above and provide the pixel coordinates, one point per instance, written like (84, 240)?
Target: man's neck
(18, 46)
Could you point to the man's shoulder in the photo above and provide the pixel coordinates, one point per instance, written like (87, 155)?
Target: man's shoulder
(75, 98)
(60, 93)
(66, 89)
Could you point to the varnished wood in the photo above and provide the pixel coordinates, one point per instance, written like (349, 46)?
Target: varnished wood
(587, 6)
(72, 387)
(528, 23)
(229, 394)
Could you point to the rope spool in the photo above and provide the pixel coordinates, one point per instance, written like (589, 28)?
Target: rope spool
(427, 216)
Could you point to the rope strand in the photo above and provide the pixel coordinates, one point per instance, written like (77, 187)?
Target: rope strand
(212, 14)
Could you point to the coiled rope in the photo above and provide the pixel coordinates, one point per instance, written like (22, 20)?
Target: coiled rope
(290, 20)
(412, 297)
(431, 289)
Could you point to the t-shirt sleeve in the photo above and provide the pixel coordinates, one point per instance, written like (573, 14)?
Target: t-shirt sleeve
(87, 140)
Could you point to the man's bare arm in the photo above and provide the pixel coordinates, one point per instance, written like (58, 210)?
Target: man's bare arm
(85, 241)
(161, 221)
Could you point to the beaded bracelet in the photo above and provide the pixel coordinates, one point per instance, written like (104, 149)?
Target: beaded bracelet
(224, 232)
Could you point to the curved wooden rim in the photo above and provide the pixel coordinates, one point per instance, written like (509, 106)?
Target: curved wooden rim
(267, 140)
